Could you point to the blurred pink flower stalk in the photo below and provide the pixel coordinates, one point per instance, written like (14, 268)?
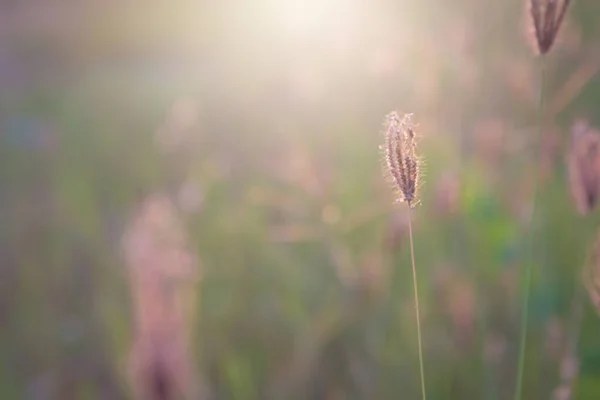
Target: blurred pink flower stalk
(163, 276)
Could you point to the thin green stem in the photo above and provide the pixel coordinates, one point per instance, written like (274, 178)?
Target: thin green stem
(530, 247)
(414, 270)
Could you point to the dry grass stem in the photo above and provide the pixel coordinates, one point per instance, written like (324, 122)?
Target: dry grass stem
(414, 272)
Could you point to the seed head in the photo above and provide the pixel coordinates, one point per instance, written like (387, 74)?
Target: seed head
(584, 167)
(401, 163)
(547, 17)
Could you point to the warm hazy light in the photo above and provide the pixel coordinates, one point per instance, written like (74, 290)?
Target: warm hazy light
(314, 17)
(302, 16)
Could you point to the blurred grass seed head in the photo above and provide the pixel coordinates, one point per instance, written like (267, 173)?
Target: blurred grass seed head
(546, 17)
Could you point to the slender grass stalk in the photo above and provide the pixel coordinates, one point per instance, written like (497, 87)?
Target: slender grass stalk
(530, 240)
(414, 270)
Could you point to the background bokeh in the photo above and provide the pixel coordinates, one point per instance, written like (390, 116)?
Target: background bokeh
(262, 122)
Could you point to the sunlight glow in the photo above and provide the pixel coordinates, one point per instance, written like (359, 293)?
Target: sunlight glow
(300, 16)
(314, 17)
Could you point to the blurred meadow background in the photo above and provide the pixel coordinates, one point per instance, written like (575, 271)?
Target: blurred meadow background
(192, 204)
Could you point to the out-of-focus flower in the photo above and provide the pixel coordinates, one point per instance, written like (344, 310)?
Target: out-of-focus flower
(163, 273)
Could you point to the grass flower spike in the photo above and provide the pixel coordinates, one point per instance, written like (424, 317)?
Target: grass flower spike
(547, 17)
(401, 162)
(402, 166)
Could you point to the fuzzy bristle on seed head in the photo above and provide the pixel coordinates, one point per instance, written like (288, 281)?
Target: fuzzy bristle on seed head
(546, 18)
(400, 160)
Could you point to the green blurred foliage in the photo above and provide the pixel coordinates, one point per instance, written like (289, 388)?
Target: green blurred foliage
(306, 288)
